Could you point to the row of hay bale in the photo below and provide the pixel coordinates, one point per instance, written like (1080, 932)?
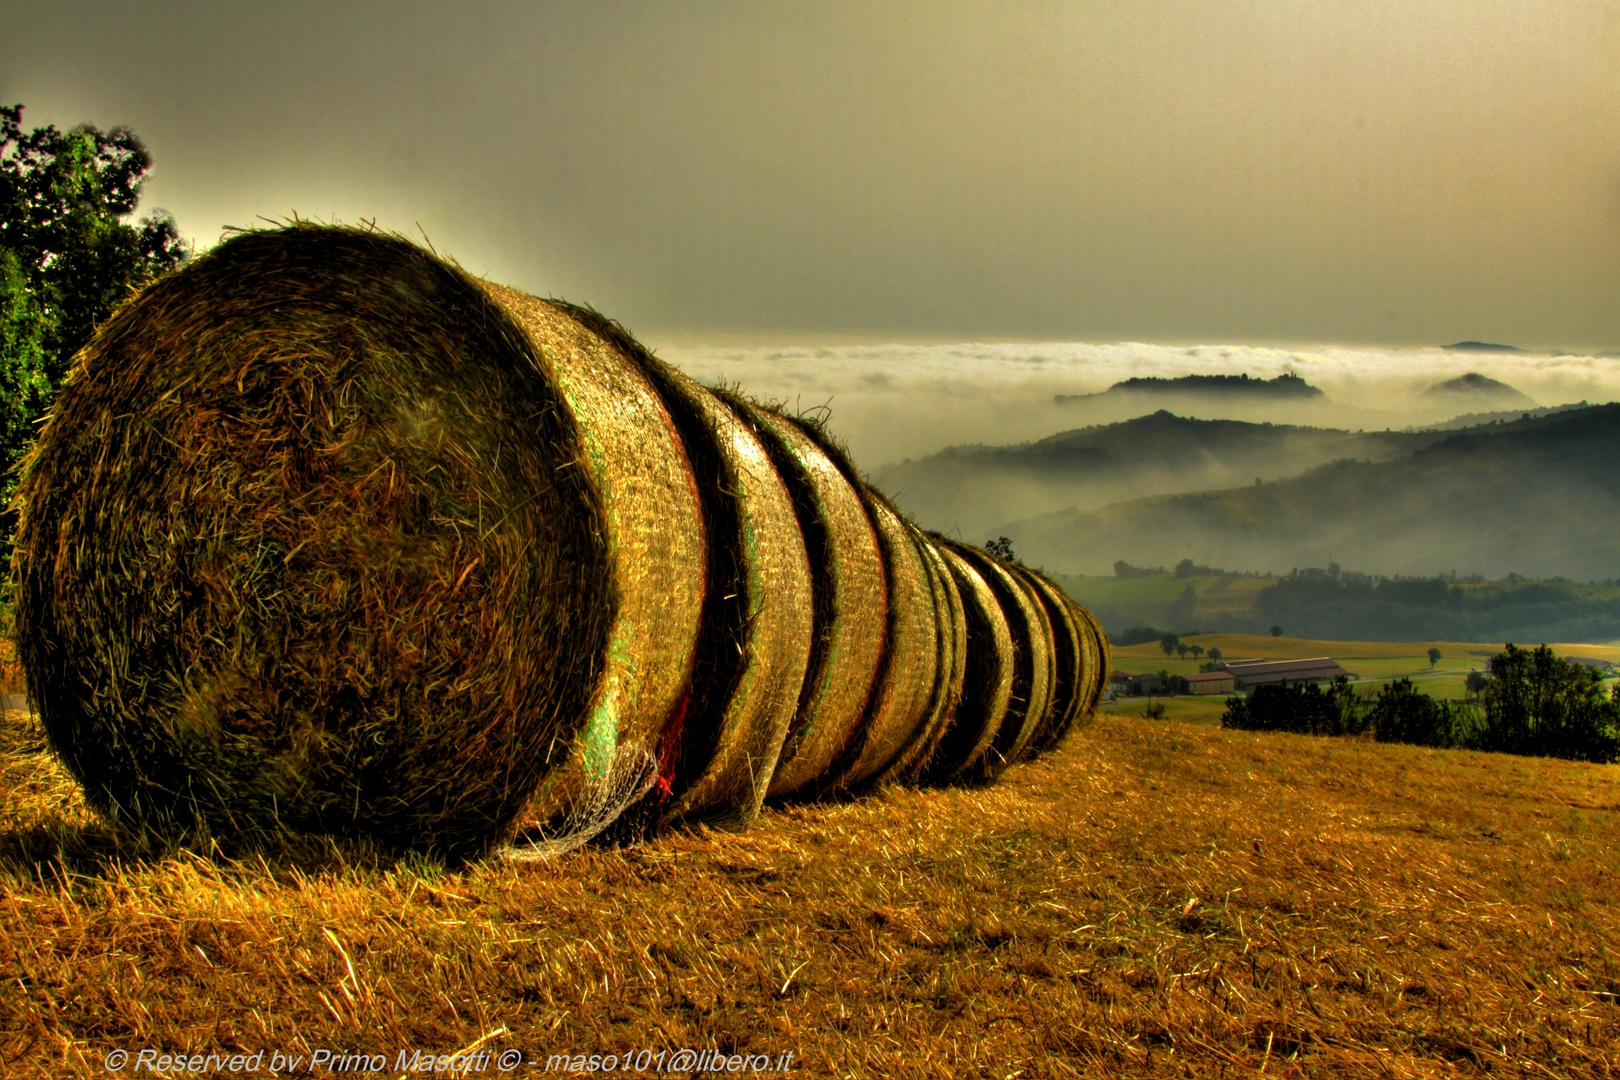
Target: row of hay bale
(323, 534)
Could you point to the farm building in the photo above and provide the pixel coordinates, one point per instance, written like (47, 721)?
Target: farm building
(1247, 673)
(1211, 682)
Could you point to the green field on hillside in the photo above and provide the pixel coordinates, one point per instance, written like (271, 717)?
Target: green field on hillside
(1373, 664)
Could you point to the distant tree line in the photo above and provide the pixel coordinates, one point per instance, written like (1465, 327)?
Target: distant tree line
(1183, 569)
(1532, 703)
(1332, 604)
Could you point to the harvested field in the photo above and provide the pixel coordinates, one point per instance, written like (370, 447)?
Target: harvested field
(1152, 899)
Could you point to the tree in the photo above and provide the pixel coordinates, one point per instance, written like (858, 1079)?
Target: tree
(1538, 703)
(1402, 714)
(1197, 651)
(1434, 656)
(1168, 643)
(1001, 548)
(1214, 654)
(67, 256)
(1182, 648)
(1276, 631)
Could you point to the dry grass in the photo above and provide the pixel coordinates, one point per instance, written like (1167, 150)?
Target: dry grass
(1152, 899)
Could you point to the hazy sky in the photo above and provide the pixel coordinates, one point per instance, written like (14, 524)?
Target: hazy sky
(1396, 173)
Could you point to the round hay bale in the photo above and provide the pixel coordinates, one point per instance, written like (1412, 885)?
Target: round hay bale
(758, 623)
(849, 593)
(656, 533)
(950, 670)
(906, 687)
(323, 535)
(1100, 661)
(987, 683)
(1031, 667)
(1043, 682)
(1068, 695)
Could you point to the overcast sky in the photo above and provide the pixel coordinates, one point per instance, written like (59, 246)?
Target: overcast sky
(1369, 173)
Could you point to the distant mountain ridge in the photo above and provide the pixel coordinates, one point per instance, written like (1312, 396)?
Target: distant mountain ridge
(1481, 346)
(1534, 496)
(1481, 389)
(1285, 386)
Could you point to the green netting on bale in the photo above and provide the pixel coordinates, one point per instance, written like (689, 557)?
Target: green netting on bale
(656, 542)
(303, 546)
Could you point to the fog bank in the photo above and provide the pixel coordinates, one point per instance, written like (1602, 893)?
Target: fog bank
(892, 402)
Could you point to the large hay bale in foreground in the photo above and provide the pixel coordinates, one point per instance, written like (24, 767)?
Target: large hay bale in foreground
(315, 538)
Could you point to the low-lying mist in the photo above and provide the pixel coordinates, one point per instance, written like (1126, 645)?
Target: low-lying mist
(891, 402)
(1369, 472)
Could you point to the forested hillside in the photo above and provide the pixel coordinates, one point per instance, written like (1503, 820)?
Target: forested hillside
(1537, 497)
(975, 488)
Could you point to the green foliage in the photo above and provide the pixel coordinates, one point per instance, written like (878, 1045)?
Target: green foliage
(1404, 714)
(1538, 703)
(1434, 656)
(1001, 548)
(1276, 631)
(1534, 703)
(1301, 708)
(1169, 643)
(67, 257)
(1137, 635)
(1355, 606)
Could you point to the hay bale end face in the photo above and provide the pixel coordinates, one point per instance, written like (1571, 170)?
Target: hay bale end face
(302, 546)
(323, 535)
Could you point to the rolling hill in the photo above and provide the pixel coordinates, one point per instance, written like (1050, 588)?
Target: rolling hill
(973, 489)
(1535, 497)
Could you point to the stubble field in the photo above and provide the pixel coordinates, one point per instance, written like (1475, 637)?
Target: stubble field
(1154, 899)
